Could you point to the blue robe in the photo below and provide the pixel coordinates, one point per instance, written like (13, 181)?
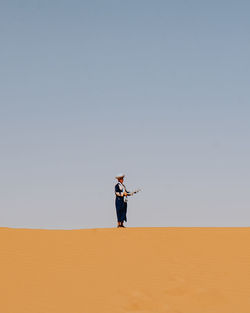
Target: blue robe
(121, 205)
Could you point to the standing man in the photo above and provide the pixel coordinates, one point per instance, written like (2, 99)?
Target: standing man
(121, 200)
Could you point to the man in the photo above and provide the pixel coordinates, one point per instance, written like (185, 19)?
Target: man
(121, 200)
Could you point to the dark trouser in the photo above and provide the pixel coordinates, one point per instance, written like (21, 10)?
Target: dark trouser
(121, 210)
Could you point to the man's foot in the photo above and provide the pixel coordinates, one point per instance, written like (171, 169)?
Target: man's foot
(123, 226)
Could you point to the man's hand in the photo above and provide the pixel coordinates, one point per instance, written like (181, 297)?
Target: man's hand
(125, 193)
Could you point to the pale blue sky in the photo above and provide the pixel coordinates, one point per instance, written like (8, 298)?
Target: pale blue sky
(156, 89)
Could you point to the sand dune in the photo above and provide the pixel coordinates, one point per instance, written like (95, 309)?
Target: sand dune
(139, 270)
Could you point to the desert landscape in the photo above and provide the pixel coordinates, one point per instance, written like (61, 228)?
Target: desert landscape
(139, 270)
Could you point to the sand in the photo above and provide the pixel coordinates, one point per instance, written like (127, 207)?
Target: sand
(139, 270)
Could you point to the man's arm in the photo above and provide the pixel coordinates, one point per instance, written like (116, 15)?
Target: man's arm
(128, 193)
(118, 191)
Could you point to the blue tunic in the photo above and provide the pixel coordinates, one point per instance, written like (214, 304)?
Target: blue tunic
(120, 204)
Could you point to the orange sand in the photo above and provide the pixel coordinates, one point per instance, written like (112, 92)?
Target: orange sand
(139, 270)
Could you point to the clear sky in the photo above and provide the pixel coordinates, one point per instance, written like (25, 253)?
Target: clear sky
(156, 89)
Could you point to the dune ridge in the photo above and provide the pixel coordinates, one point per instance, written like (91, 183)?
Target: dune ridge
(139, 270)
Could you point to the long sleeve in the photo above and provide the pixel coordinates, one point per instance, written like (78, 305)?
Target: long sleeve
(118, 190)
